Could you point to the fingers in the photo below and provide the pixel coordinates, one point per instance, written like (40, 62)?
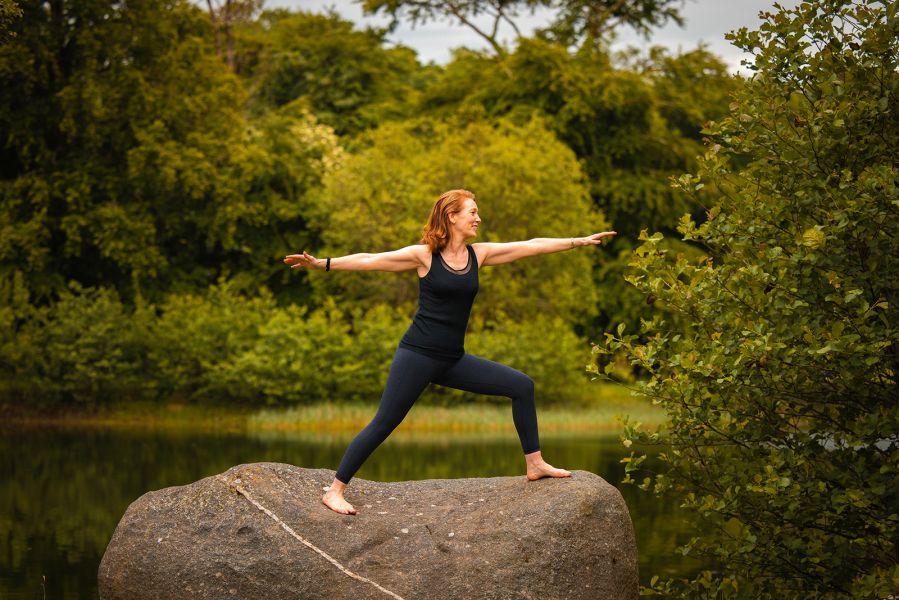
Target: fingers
(298, 261)
(597, 238)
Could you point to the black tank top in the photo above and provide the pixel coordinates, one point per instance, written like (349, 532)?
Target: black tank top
(445, 296)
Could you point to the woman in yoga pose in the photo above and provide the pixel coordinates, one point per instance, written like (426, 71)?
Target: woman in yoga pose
(431, 351)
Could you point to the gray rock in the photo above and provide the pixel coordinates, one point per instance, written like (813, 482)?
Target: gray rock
(494, 538)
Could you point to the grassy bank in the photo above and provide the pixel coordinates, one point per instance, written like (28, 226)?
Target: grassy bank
(613, 401)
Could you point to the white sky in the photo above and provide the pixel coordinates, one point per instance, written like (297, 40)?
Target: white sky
(705, 21)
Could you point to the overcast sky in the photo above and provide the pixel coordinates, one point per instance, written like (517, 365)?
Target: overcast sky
(706, 21)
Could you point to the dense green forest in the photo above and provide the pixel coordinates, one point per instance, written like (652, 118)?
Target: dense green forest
(159, 158)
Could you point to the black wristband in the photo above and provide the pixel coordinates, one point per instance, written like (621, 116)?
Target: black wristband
(328, 264)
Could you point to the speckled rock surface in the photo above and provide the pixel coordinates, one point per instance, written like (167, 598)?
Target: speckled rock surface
(491, 538)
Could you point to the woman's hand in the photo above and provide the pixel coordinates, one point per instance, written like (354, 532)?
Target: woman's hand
(298, 261)
(593, 240)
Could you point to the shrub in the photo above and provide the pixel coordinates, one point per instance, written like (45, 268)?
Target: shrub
(780, 377)
(195, 334)
(86, 348)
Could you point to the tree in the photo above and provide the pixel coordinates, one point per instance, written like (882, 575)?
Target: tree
(127, 159)
(224, 15)
(528, 185)
(776, 356)
(632, 126)
(589, 22)
(346, 78)
(9, 12)
(575, 22)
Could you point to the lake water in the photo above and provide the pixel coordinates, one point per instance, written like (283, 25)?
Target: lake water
(62, 492)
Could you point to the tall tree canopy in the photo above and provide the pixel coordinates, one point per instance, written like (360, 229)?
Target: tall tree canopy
(346, 77)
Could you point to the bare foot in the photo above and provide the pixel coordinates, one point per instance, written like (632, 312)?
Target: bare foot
(335, 501)
(538, 471)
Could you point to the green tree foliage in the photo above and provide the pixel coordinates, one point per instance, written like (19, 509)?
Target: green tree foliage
(347, 78)
(84, 347)
(136, 170)
(9, 12)
(127, 160)
(527, 183)
(592, 21)
(544, 347)
(776, 356)
(220, 345)
(632, 126)
(223, 346)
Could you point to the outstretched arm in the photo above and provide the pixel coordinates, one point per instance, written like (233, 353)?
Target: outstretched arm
(491, 253)
(403, 259)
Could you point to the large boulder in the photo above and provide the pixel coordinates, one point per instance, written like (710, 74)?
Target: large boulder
(261, 531)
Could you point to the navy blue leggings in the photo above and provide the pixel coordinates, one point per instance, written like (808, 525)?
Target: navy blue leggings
(411, 372)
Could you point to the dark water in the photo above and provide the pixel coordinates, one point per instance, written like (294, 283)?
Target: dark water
(62, 492)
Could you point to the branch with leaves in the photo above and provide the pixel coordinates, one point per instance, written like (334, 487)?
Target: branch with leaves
(225, 14)
(575, 21)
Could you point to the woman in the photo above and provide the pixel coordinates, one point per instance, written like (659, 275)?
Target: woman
(431, 351)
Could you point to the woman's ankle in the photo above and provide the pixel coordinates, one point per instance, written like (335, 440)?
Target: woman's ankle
(534, 458)
(337, 486)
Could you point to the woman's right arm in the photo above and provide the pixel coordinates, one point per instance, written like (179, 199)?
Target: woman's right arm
(404, 259)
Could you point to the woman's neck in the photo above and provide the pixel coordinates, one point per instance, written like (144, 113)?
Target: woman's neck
(454, 246)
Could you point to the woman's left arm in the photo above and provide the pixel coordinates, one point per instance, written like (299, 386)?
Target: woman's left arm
(494, 253)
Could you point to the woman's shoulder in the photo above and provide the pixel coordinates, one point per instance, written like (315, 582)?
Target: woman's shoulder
(424, 250)
(479, 249)
(424, 256)
(417, 249)
(422, 253)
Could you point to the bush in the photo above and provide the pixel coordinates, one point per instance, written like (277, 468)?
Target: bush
(779, 373)
(544, 348)
(194, 335)
(223, 346)
(86, 348)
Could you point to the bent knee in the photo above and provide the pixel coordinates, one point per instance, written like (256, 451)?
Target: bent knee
(524, 387)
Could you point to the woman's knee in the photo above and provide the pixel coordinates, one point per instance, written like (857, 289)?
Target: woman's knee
(380, 427)
(524, 387)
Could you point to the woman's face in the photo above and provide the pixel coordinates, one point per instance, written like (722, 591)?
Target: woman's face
(466, 221)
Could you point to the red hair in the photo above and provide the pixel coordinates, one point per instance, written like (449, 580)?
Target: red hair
(436, 230)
